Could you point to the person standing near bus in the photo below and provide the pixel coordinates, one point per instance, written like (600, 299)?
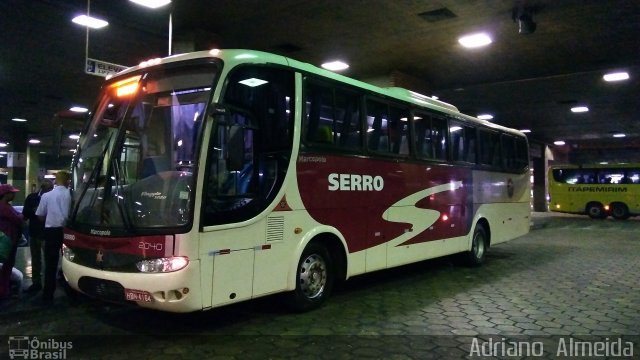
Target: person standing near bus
(53, 211)
(36, 229)
(11, 223)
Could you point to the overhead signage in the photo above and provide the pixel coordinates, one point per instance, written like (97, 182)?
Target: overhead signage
(102, 68)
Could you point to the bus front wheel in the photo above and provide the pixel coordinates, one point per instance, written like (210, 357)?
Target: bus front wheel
(475, 257)
(619, 211)
(314, 278)
(596, 211)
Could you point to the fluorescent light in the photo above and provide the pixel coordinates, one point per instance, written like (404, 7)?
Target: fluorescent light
(34, 141)
(79, 109)
(455, 128)
(620, 135)
(335, 65)
(485, 116)
(526, 131)
(253, 82)
(616, 76)
(579, 109)
(3, 144)
(153, 4)
(19, 120)
(475, 40)
(74, 136)
(90, 21)
(559, 143)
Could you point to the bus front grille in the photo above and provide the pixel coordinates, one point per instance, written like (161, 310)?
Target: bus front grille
(102, 289)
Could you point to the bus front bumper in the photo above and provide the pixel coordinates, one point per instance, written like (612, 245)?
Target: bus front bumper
(177, 291)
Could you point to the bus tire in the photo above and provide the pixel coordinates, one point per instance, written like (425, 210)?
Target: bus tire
(475, 257)
(314, 279)
(595, 210)
(619, 211)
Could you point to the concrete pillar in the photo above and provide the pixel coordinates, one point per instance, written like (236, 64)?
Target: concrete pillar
(33, 169)
(17, 165)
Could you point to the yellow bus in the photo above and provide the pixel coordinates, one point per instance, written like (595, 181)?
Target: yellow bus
(596, 190)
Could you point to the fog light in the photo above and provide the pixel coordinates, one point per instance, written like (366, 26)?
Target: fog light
(161, 265)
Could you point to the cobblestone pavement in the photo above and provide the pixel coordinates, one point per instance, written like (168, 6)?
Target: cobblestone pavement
(570, 279)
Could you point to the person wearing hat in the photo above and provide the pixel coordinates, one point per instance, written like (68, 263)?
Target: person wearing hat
(53, 210)
(11, 223)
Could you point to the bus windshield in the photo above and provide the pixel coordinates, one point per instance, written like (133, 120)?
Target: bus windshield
(136, 161)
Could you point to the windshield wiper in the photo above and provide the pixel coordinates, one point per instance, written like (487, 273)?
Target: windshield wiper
(120, 198)
(93, 177)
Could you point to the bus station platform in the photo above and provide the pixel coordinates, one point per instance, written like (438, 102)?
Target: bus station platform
(571, 280)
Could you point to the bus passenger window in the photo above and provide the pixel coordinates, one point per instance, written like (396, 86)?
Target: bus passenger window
(332, 117)
(439, 135)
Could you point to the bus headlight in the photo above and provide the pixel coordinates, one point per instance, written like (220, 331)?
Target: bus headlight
(161, 265)
(68, 253)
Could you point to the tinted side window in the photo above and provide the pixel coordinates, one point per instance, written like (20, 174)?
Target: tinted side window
(489, 148)
(332, 117)
(387, 128)
(256, 133)
(508, 153)
(458, 149)
(439, 132)
(522, 154)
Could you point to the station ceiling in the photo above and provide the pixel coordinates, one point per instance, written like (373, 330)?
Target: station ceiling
(526, 81)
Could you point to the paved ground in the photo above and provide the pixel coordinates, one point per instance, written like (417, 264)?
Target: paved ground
(572, 279)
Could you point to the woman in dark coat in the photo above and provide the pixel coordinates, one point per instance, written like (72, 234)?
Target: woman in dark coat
(11, 223)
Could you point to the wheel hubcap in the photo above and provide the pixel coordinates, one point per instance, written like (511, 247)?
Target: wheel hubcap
(313, 276)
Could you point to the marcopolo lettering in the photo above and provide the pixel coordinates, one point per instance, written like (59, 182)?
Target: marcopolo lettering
(597, 189)
(355, 182)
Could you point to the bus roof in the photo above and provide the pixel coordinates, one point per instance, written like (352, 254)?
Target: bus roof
(235, 57)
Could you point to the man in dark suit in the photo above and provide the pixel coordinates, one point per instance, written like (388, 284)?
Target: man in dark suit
(36, 228)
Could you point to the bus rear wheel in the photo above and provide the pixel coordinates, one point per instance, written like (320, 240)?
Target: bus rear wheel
(475, 256)
(314, 279)
(596, 211)
(619, 211)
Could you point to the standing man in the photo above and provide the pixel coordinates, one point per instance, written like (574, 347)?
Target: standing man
(36, 230)
(54, 211)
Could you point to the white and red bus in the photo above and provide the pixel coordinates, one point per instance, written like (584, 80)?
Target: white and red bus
(214, 177)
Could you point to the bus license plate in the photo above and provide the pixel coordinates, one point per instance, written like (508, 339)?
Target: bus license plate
(137, 295)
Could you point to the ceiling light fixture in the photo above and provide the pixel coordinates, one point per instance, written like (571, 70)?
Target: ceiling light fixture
(89, 21)
(19, 120)
(579, 109)
(34, 141)
(78, 109)
(152, 4)
(618, 76)
(74, 136)
(525, 131)
(475, 40)
(3, 144)
(559, 143)
(620, 135)
(485, 116)
(335, 65)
